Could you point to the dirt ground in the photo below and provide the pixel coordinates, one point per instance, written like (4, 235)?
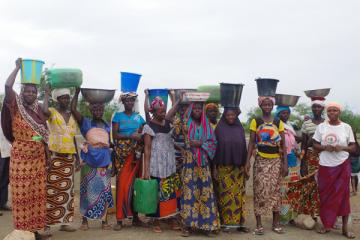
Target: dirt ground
(129, 232)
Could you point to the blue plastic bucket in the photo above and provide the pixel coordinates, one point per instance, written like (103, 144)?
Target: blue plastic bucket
(129, 81)
(31, 71)
(163, 93)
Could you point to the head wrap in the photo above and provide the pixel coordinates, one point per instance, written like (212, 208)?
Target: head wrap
(204, 134)
(334, 105)
(280, 109)
(59, 92)
(211, 105)
(262, 98)
(318, 101)
(156, 103)
(127, 95)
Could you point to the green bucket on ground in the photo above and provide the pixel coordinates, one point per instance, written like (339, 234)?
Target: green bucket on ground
(31, 71)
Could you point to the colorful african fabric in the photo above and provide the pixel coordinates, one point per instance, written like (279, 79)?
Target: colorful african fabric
(169, 192)
(60, 189)
(95, 185)
(230, 192)
(267, 180)
(95, 192)
(124, 184)
(61, 138)
(267, 137)
(334, 191)
(198, 202)
(27, 174)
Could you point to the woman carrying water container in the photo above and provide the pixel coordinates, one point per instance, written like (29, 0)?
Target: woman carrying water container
(198, 203)
(95, 185)
(229, 162)
(60, 179)
(24, 124)
(127, 126)
(267, 137)
(159, 159)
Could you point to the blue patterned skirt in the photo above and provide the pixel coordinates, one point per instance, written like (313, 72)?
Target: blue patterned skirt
(95, 192)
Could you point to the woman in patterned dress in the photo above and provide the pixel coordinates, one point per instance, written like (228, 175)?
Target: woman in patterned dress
(228, 170)
(60, 179)
(25, 126)
(267, 137)
(198, 202)
(159, 160)
(308, 197)
(287, 213)
(95, 185)
(128, 147)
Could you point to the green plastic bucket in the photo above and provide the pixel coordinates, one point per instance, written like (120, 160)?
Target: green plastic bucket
(31, 71)
(214, 91)
(64, 77)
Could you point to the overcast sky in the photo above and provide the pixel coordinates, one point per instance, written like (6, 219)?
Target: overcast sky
(306, 44)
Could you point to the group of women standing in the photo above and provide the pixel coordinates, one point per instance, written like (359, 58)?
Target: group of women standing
(201, 165)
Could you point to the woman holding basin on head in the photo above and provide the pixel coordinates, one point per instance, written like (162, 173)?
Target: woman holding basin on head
(334, 140)
(95, 186)
(229, 161)
(198, 203)
(289, 197)
(24, 125)
(159, 160)
(267, 137)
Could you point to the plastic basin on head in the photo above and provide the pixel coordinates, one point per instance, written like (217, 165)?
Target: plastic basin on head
(31, 71)
(214, 91)
(163, 93)
(266, 86)
(230, 94)
(129, 81)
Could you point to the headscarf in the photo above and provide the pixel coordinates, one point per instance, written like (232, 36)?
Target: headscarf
(318, 101)
(231, 144)
(334, 105)
(206, 136)
(156, 103)
(127, 95)
(280, 109)
(58, 92)
(35, 119)
(261, 99)
(124, 96)
(211, 105)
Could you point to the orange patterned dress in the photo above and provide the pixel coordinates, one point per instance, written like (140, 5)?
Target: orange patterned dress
(27, 175)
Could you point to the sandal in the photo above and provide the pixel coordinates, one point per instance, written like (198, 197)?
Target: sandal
(349, 235)
(259, 231)
(243, 229)
(278, 230)
(185, 232)
(117, 227)
(174, 225)
(67, 228)
(321, 230)
(84, 227)
(157, 229)
(106, 227)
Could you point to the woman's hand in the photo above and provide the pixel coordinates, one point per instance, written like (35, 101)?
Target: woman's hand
(18, 63)
(285, 170)
(195, 143)
(47, 89)
(338, 148)
(247, 170)
(329, 148)
(146, 91)
(136, 136)
(77, 91)
(214, 173)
